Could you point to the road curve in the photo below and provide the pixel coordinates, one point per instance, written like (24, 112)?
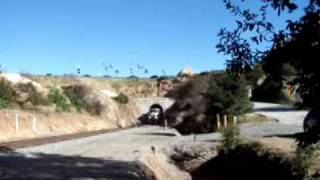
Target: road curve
(283, 114)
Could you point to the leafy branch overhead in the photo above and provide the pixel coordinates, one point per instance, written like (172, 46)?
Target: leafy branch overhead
(296, 45)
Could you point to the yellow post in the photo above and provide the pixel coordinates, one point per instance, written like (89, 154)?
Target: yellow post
(225, 121)
(218, 121)
(234, 120)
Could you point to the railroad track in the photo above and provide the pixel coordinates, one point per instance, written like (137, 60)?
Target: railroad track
(53, 139)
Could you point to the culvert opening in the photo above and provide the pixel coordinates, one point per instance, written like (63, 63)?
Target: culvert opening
(247, 163)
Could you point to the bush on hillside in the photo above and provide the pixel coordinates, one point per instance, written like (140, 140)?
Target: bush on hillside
(6, 93)
(3, 104)
(79, 98)
(76, 94)
(56, 97)
(121, 98)
(33, 96)
(227, 95)
(154, 77)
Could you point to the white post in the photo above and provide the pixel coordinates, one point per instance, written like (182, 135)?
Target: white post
(34, 122)
(234, 120)
(165, 125)
(17, 123)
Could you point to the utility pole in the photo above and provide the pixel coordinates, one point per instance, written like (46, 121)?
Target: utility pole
(78, 71)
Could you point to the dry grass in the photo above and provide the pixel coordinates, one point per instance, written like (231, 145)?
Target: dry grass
(253, 118)
(284, 146)
(131, 87)
(48, 124)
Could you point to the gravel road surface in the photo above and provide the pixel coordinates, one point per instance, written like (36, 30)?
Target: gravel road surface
(121, 155)
(284, 114)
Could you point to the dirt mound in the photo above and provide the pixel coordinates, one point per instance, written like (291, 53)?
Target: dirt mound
(189, 113)
(248, 161)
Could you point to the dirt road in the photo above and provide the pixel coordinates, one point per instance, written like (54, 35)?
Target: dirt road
(137, 153)
(127, 154)
(284, 114)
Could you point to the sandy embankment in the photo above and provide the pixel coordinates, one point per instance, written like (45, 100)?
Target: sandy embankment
(50, 123)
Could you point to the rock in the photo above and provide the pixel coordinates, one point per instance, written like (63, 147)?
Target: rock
(186, 72)
(109, 93)
(15, 78)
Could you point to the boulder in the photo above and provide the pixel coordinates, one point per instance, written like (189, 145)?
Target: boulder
(186, 72)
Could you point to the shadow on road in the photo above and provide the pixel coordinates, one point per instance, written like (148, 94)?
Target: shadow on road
(158, 134)
(274, 109)
(38, 166)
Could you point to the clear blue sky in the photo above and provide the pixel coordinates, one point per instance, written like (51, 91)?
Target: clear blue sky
(55, 36)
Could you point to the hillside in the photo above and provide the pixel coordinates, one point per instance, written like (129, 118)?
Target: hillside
(64, 105)
(131, 87)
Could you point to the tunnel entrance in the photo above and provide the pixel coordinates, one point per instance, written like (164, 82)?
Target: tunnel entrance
(154, 116)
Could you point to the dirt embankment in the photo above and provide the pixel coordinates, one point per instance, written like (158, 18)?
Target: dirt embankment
(132, 87)
(17, 121)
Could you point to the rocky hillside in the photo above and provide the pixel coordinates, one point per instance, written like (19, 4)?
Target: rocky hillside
(63, 105)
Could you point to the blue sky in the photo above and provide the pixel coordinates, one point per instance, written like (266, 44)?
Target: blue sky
(55, 36)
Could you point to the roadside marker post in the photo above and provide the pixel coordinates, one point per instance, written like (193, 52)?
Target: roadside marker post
(234, 120)
(218, 121)
(225, 121)
(17, 123)
(165, 125)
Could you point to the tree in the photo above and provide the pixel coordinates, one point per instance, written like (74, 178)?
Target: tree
(227, 95)
(297, 45)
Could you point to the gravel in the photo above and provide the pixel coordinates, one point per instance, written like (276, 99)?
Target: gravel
(119, 155)
(284, 114)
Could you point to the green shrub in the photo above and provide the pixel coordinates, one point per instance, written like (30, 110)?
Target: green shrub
(154, 77)
(56, 97)
(305, 158)
(75, 94)
(76, 102)
(227, 95)
(231, 138)
(3, 104)
(122, 99)
(6, 90)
